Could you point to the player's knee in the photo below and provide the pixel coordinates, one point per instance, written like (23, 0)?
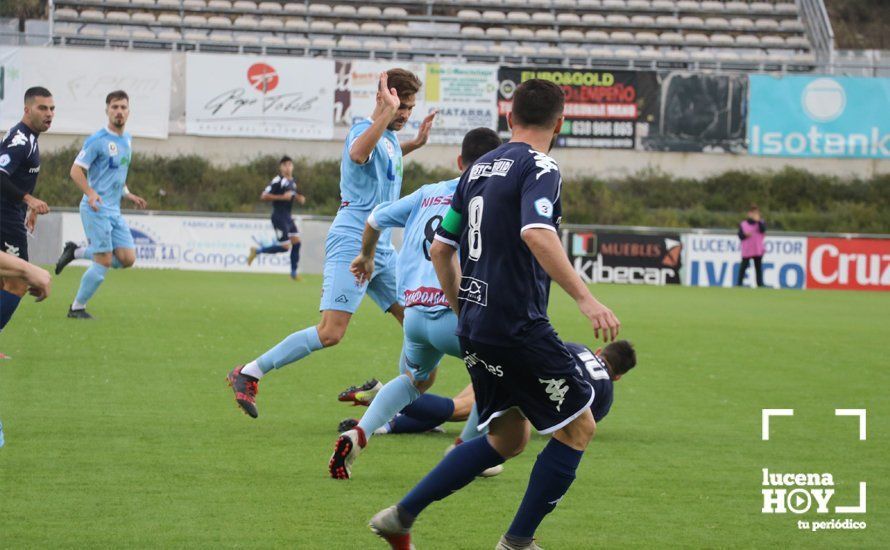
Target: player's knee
(127, 261)
(102, 259)
(579, 432)
(330, 335)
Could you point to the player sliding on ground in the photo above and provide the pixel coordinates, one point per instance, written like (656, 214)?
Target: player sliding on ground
(282, 192)
(100, 171)
(429, 321)
(504, 217)
(601, 369)
(370, 173)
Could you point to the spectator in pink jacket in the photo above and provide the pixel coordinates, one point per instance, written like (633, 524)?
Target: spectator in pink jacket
(752, 232)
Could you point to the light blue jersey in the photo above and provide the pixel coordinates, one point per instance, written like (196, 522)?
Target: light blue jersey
(420, 213)
(106, 157)
(364, 186)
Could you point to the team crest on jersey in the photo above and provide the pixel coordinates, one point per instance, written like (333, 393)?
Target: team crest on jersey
(544, 207)
(4, 160)
(390, 150)
(112, 148)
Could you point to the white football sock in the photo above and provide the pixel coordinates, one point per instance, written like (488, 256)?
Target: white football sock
(77, 306)
(252, 369)
(80, 252)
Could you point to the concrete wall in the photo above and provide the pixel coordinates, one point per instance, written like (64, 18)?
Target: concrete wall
(573, 162)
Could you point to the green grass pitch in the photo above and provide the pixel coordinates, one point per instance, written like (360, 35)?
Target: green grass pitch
(122, 432)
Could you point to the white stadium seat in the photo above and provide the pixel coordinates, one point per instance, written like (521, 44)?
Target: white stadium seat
(650, 54)
(118, 16)
(142, 34)
(170, 35)
(770, 41)
(597, 36)
(472, 31)
(372, 27)
(538, 3)
(702, 55)
(346, 27)
(500, 49)
(600, 53)
(791, 25)
(244, 5)
(93, 15)
(296, 25)
(720, 39)
(349, 43)
(66, 13)
(246, 38)
(568, 18)
(642, 21)
(270, 6)
(168, 19)
(747, 40)
(590, 3)
(497, 32)
(518, 16)
(712, 5)
(475, 47)
(194, 36)
(324, 42)
(194, 20)
(543, 17)
(760, 7)
(741, 23)
(492, 15)
(117, 32)
(272, 40)
(319, 9)
(667, 21)
(470, 15)
(593, 19)
(143, 2)
(564, 4)
(525, 50)
(370, 11)
(786, 7)
(399, 46)
(618, 20)
(766, 24)
(520, 33)
(148, 18)
(294, 7)
(692, 22)
(397, 28)
(736, 6)
(321, 26)
(716, 23)
(550, 51)
(627, 53)
(663, 4)
(247, 21)
(219, 21)
(573, 50)
(546, 34)
(375, 44)
(571, 34)
(343, 9)
(219, 5)
(676, 55)
(638, 4)
(614, 4)
(271, 23)
(646, 38)
(297, 41)
(194, 4)
(728, 56)
(221, 36)
(688, 5)
(622, 36)
(395, 12)
(671, 38)
(696, 39)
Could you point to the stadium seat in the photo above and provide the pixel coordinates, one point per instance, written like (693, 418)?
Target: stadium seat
(571, 34)
(394, 12)
(597, 36)
(349, 43)
(323, 42)
(221, 36)
(646, 38)
(194, 4)
(66, 13)
(642, 21)
(671, 38)
(766, 24)
(472, 31)
(573, 50)
(470, 15)
(688, 5)
(593, 19)
(370, 11)
(712, 5)
(797, 42)
(219, 5)
(568, 18)
(399, 46)
(194, 20)
(343, 9)
(753, 56)
(294, 7)
(141, 17)
(667, 21)
(728, 56)
(600, 53)
(271, 23)
(397, 28)
(770, 41)
(122, 16)
(716, 23)
(321, 26)
(618, 20)
(543, 17)
(142, 34)
(497, 32)
(736, 6)
(676, 55)
(499, 49)
(170, 35)
(492, 15)
(246, 21)
(747, 40)
(244, 5)
(319, 9)
(194, 36)
(169, 19)
(791, 25)
(297, 41)
(117, 32)
(375, 44)
(702, 55)
(270, 6)
(720, 39)
(638, 4)
(622, 36)
(650, 54)
(538, 3)
(564, 4)
(272, 40)
(786, 8)
(475, 47)
(692, 22)
(247, 39)
(346, 27)
(760, 7)
(521, 33)
(219, 21)
(614, 4)
(627, 53)
(546, 34)
(93, 15)
(696, 39)
(372, 27)
(808, 58)
(663, 4)
(592, 3)
(551, 51)
(741, 23)
(524, 50)
(143, 2)
(296, 25)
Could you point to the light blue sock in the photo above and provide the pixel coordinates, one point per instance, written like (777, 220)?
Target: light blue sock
(397, 394)
(90, 282)
(293, 348)
(1, 435)
(470, 430)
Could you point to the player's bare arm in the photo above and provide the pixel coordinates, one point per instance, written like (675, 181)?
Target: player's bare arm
(137, 201)
(388, 104)
(37, 279)
(445, 261)
(423, 134)
(79, 177)
(363, 264)
(547, 249)
(269, 197)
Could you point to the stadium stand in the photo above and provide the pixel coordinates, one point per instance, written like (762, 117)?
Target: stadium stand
(632, 33)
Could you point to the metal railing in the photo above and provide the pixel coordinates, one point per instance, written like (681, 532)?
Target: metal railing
(818, 25)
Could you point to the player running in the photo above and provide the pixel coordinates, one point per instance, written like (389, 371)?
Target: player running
(282, 192)
(504, 217)
(429, 321)
(370, 173)
(100, 171)
(19, 168)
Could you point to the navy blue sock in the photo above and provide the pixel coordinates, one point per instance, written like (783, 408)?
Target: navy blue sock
(8, 303)
(271, 249)
(457, 469)
(294, 257)
(551, 477)
(403, 424)
(430, 408)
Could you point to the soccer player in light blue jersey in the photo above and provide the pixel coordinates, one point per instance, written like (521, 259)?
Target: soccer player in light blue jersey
(429, 321)
(370, 173)
(100, 171)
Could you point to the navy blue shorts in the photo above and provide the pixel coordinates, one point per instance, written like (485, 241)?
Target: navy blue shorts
(14, 239)
(540, 378)
(285, 228)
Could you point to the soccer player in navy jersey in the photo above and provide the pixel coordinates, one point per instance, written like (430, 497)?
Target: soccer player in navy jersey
(19, 168)
(282, 192)
(504, 218)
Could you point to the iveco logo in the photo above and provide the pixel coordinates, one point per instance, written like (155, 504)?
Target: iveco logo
(824, 99)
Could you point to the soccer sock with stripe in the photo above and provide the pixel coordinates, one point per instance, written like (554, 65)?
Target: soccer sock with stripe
(294, 257)
(551, 477)
(424, 414)
(89, 283)
(8, 304)
(293, 348)
(455, 471)
(392, 397)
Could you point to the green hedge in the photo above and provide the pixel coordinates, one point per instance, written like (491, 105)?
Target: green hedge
(791, 199)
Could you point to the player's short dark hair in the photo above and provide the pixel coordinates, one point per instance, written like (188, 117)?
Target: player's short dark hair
(36, 91)
(405, 82)
(116, 95)
(284, 159)
(621, 357)
(538, 103)
(478, 142)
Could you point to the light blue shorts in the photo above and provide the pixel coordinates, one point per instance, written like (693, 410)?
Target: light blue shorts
(429, 335)
(340, 291)
(105, 231)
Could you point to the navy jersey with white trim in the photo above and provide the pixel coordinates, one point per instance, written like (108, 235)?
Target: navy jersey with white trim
(594, 370)
(280, 186)
(504, 290)
(20, 163)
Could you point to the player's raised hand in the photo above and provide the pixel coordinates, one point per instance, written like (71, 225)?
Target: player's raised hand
(95, 200)
(601, 319)
(138, 201)
(362, 267)
(387, 98)
(423, 134)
